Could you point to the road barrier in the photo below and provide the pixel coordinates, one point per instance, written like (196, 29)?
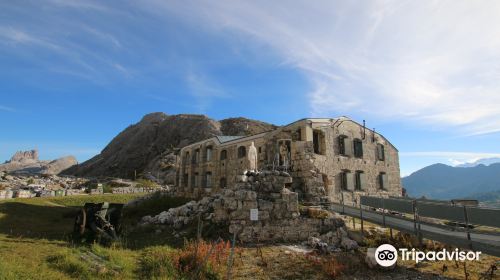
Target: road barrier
(437, 209)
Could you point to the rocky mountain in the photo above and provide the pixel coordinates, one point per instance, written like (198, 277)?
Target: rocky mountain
(440, 181)
(28, 162)
(148, 147)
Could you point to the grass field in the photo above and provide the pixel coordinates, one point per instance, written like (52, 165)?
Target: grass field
(35, 244)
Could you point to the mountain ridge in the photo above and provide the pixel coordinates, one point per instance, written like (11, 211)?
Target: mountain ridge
(147, 147)
(441, 181)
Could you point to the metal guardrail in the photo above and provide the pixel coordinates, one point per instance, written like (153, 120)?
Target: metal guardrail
(437, 209)
(484, 242)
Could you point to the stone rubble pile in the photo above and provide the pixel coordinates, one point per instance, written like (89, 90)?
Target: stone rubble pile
(277, 208)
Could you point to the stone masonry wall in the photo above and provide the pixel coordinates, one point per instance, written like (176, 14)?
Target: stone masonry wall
(279, 217)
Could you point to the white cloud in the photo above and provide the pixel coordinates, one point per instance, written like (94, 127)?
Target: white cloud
(434, 62)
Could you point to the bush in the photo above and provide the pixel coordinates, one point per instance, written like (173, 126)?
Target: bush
(185, 263)
(107, 189)
(190, 259)
(144, 183)
(317, 213)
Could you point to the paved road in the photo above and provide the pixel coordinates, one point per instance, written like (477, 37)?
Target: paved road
(487, 243)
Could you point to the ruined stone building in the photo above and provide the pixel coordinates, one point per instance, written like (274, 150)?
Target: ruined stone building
(329, 160)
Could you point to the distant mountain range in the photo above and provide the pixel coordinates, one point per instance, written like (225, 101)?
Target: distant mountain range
(484, 161)
(441, 181)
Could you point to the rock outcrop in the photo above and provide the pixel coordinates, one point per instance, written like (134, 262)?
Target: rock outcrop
(25, 156)
(147, 148)
(28, 162)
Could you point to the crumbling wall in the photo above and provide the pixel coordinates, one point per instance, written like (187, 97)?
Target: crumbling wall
(279, 212)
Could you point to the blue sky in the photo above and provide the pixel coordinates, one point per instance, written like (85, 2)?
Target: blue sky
(426, 74)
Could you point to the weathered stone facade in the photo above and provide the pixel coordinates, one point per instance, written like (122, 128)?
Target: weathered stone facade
(328, 159)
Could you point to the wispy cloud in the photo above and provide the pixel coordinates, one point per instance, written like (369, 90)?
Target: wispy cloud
(203, 89)
(432, 62)
(7, 109)
(452, 158)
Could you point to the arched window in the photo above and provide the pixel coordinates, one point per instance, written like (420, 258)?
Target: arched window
(186, 158)
(242, 151)
(223, 155)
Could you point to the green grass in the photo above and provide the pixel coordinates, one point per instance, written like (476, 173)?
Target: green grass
(35, 243)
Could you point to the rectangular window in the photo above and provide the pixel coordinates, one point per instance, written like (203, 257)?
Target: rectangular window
(209, 153)
(319, 142)
(196, 179)
(208, 179)
(196, 156)
(360, 180)
(343, 180)
(346, 180)
(358, 148)
(382, 181)
(380, 152)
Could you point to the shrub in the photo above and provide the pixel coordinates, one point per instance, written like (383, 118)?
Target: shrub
(329, 265)
(107, 189)
(192, 256)
(317, 213)
(144, 183)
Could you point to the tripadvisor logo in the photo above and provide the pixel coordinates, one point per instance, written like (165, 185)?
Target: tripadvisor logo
(386, 255)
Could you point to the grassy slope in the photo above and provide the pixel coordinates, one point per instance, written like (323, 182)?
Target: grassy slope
(34, 244)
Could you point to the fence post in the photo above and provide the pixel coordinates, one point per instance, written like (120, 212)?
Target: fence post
(342, 200)
(361, 216)
(414, 206)
(383, 211)
(466, 218)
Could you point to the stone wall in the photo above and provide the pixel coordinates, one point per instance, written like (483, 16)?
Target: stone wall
(279, 215)
(127, 190)
(6, 194)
